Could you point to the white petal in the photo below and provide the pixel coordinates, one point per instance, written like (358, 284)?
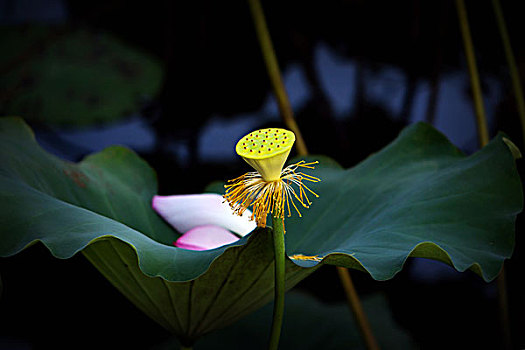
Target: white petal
(205, 237)
(185, 212)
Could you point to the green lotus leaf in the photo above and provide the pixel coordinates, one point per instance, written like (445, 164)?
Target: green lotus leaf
(73, 77)
(418, 197)
(102, 207)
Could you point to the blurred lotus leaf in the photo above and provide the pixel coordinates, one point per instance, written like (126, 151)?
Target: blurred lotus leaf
(309, 324)
(419, 197)
(73, 77)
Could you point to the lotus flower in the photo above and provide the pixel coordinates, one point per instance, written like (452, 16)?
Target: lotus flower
(268, 189)
(204, 220)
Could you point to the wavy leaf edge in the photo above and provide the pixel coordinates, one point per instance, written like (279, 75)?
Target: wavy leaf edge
(343, 259)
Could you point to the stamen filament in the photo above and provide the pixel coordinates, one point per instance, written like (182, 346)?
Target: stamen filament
(270, 197)
(306, 257)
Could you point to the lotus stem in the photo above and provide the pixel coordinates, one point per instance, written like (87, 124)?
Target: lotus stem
(272, 67)
(511, 61)
(520, 101)
(481, 119)
(518, 95)
(278, 306)
(483, 134)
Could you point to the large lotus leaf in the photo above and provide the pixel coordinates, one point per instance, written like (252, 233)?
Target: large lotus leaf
(73, 77)
(102, 206)
(418, 197)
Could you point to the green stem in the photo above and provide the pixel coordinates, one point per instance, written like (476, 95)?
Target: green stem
(278, 306)
(274, 73)
(272, 67)
(483, 133)
(511, 61)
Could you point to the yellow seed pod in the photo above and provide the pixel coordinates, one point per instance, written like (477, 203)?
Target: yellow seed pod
(266, 150)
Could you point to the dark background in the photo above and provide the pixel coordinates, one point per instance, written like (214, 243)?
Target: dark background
(357, 72)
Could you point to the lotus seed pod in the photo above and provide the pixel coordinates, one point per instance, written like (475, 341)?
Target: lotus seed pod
(266, 150)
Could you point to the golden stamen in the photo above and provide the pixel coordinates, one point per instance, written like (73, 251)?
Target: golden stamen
(270, 196)
(306, 257)
(269, 189)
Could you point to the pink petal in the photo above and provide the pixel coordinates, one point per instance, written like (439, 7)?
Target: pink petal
(205, 237)
(185, 212)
